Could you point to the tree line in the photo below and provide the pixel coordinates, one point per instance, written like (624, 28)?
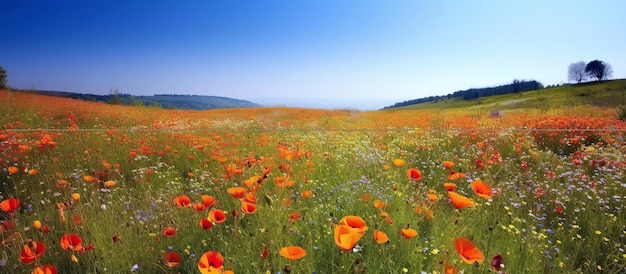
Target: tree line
(474, 93)
(580, 71)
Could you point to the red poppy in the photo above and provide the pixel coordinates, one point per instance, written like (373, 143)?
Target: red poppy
(481, 189)
(217, 216)
(248, 208)
(45, 269)
(172, 259)
(294, 216)
(206, 224)
(468, 251)
(208, 200)
(293, 252)
(182, 201)
(71, 242)
(169, 231)
(211, 262)
(10, 205)
(414, 174)
(198, 207)
(32, 251)
(459, 201)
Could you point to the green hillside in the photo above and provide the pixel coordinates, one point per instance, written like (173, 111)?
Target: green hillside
(607, 93)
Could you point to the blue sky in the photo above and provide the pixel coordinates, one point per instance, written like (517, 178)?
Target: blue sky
(342, 53)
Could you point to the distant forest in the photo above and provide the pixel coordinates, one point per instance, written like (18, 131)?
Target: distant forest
(474, 93)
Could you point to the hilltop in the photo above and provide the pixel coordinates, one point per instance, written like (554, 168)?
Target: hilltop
(172, 101)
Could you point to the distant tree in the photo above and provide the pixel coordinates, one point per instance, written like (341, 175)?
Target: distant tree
(3, 78)
(576, 72)
(599, 70)
(114, 97)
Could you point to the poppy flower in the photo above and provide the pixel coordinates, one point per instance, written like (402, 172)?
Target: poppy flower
(10, 205)
(408, 233)
(182, 201)
(71, 242)
(456, 175)
(36, 224)
(237, 192)
(293, 252)
(294, 216)
(380, 237)
(75, 197)
(447, 164)
(497, 262)
(307, 194)
(13, 170)
(208, 200)
(459, 201)
(45, 269)
(33, 172)
(172, 259)
(468, 251)
(449, 269)
(89, 178)
(379, 204)
(432, 195)
(32, 251)
(346, 237)
(398, 162)
(169, 231)
(109, 184)
(206, 224)
(414, 174)
(211, 262)
(355, 222)
(198, 207)
(248, 208)
(250, 197)
(449, 186)
(217, 216)
(481, 189)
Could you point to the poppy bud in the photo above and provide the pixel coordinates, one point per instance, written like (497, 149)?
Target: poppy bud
(287, 269)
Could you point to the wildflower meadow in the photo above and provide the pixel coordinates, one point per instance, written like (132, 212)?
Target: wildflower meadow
(89, 187)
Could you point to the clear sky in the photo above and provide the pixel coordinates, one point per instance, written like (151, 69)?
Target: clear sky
(360, 54)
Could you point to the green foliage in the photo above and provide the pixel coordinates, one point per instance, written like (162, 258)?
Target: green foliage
(3, 78)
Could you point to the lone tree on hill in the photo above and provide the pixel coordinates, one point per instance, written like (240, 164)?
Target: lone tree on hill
(3, 78)
(599, 70)
(576, 72)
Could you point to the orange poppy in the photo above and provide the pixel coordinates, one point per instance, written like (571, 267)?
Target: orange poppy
(109, 184)
(447, 164)
(307, 194)
(456, 175)
(248, 208)
(89, 178)
(169, 231)
(432, 195)
(379, 204)
(481, 189)
(10, 205)
(250, 197)
(266, 170)
(182, 201)
(293, 252)
(459, 201)
(237, 192)
(32, 172)
(13, 170)
(211, 262)
(217, 216)
(380, 237)
(449, 269)
(75, 197)
(71, 242)
(208, 200)
(172, 259)
(398, 162)
(32, 251)
(346, 237)
(45, 269)
(408, 233)
(206, 224)
(414, 174)
(468, 251)
(449, 186)
(355, 222)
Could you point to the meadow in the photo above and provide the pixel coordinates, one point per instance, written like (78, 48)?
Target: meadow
(88, 187)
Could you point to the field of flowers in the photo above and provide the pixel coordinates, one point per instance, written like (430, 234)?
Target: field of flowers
(88, 187)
